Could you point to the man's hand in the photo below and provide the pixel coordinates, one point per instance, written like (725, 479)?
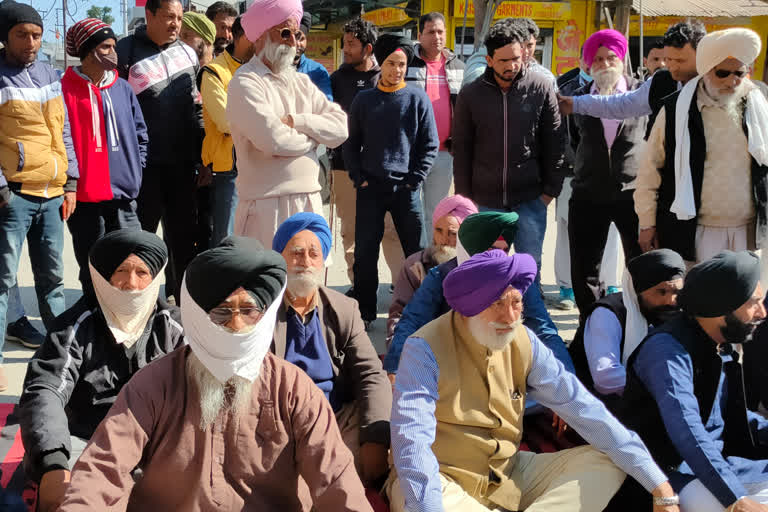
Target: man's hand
(204, 175)
(52, 488)
(664, 490)
(391, 377)
(68, 206)
(648, 240)
(566, 104)
(546, 199)
(373, 461)
(747, 505)
(559, 424)
(287, 120)
(363, 184)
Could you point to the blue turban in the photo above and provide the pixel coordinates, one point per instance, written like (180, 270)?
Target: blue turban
(300, 222)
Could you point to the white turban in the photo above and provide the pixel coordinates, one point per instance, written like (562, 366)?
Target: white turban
(739, 43)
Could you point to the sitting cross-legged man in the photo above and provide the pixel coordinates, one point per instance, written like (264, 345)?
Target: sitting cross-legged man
(220, 424)
(321, 331)
(449, 213)
(457, 416)
(96, 347)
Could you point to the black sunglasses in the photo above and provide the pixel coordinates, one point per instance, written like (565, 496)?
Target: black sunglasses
(286, 34)
(724, 73)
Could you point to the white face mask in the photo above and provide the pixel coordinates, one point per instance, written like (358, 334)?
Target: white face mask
(126, 311)
(224, 353)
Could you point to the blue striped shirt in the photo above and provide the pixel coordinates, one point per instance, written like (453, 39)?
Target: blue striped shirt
(413, 422)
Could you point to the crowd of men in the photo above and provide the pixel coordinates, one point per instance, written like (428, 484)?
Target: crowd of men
(251, 385)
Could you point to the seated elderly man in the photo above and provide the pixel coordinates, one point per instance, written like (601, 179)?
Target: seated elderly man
(321, 331)
(616, 324)
(686, 380)
(457, 416)
(221, 424)
(446, 219)
(479, 232)
(97, 346)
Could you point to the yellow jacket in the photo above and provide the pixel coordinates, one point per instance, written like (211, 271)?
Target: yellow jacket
(217, 145)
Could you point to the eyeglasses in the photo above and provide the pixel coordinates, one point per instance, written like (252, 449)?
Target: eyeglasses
(724, 73)
(286, 33)
(249, 314)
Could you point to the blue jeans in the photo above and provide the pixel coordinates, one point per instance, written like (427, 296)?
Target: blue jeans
(223, 198)
(39, 221)
(15, 306)
(373, 203)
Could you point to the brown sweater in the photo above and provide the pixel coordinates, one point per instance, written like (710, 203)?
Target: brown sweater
(248, 463)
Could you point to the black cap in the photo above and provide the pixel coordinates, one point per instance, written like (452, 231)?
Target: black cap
(14, 13)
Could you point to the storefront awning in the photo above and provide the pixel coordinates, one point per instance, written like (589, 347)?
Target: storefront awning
(702, 8)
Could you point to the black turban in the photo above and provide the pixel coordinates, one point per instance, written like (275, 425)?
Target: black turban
(306, 23)
(14, 13)
(721, 285)
(238, 261)
(387, 44)
(111, 250)
(654, 267)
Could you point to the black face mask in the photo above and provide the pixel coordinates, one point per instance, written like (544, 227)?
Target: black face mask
(736, 331)
(107, 62)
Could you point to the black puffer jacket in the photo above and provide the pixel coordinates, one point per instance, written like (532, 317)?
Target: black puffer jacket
(76, 375)
(164, 80)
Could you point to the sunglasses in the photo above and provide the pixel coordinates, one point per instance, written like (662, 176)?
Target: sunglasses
(724, 73)
(250, 314)
(286, 33)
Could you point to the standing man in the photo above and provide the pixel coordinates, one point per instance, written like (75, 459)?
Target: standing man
(223, 15)
(38, 167)
(316, 71)
(654, 57)
(199, 33)
(359, 72)
(277, 119)
(605, 167)
(162, 72)
(702, 187)
(508, 142)
(218, 151)
(392, 146)
(439, 72)
(109, 136)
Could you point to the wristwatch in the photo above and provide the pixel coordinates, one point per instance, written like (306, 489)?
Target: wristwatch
(666, 501)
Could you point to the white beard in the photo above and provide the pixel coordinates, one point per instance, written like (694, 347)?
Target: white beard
(606, 79)
(485, 332)
(731, 103)
(303, 281)
(233, 395)
(442, 253)
(279, 56)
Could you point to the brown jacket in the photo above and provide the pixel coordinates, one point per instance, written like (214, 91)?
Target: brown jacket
(357, 368)
(249, 462)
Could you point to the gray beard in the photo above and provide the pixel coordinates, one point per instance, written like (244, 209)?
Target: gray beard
(279, 56)
(232, 396)
(731, 103)
(606, 79)
(303, 281)
(485, 333)
(442, 253)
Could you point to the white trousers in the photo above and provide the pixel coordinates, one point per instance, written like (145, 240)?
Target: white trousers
(260, 218)
(612, 265)
(696, 498)
(712, 240)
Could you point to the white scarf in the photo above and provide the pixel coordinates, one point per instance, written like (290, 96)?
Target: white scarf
(636, 326)
(126, 312)
(756, 117)
(223, 353)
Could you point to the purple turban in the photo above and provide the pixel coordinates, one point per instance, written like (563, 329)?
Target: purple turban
(611, 39)
(265, 14)
(458, 206)
(477, 283)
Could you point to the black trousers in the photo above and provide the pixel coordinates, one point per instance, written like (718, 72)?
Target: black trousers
(588, 224)
(168, 195)
(91, 221)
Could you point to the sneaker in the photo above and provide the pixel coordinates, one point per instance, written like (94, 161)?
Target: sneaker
(612, 289)
(566, 301)
(21, 331)
(3, 380)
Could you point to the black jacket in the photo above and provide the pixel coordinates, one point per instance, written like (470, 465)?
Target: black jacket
(508, 146)
(164, 80)
(680, 235)
(601, 172)
(75, 376)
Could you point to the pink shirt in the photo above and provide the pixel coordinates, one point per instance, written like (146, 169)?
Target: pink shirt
(440, 95)
(611, 126)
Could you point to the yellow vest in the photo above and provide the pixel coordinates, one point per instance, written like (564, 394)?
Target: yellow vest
(217, 146)
(480, 408)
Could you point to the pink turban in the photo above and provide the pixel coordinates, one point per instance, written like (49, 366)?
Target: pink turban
(458, 206)
(265, 14)
(611, 39)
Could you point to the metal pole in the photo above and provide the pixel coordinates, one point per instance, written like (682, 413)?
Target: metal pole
(64, 26)
(464, 28)
(642, 54)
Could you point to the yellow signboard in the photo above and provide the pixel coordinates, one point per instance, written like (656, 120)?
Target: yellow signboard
(535, 10)
(388, 16)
